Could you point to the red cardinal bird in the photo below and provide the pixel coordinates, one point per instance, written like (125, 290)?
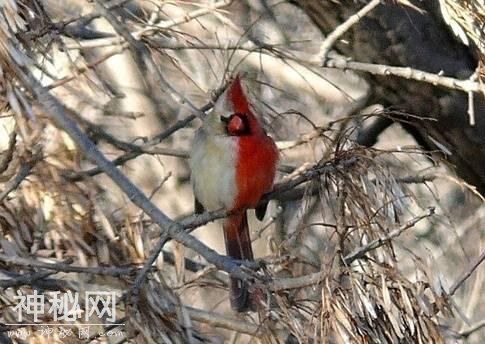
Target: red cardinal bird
(233, 164)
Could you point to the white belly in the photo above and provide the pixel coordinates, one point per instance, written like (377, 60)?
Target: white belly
(213, 174)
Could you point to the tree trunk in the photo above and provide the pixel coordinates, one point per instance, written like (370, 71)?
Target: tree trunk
(399, 35)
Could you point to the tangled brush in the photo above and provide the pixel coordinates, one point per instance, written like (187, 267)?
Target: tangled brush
(342, 261)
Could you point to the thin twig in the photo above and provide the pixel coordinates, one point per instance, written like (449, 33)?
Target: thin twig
(173, 229)
(471, 101)
(24, 279)
(333, 62)
(145, 60)
(114, 271)
(102, 134)
(467, 85)
(84, 69)
(86, 19)
(312, 173)
(361, 251)
(317, 277)
(466, 274)
(217, 320)
(472, 329)
(24, 171)
(65, 267)
(139, 34)
(405, 72)
(210, 8)
(77, 176)
(340, 30)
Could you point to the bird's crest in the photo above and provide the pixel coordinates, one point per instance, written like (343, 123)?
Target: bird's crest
(237, 96)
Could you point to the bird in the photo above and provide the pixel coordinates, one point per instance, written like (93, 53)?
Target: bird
(233, 164)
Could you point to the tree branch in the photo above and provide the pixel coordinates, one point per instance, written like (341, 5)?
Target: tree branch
(361, 251)
(24, 279)
(466, 274)
(139, 34)
(66, 267)
(57, 112)
(77, 176)
(340, 30)
(317, 277)
(24, 171)
(217, 320)
(405, 72)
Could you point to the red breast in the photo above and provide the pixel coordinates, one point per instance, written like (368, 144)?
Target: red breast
(257, 154)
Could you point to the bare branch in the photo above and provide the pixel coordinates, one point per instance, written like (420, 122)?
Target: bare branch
(138, 35)
(339, 62)
(153, 141)
(66, 267)
(340, 30)
(220, 321)
(472, 329)
(132, 155)
(405, 72)
(466, 274)
(361, 251)
(52, 107)
(24, 279)
(24, 171)
(317, 277)
(85, 69)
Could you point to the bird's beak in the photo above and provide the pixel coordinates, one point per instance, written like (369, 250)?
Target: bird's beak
(224, 120)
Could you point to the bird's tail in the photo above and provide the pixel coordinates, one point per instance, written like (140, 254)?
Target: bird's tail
(238, 245)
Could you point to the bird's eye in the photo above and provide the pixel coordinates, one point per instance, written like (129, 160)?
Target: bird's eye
(225, 119)
(238, 125)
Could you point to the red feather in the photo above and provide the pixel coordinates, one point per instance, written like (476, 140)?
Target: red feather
(255, 172)
(257, 156)
(255, 169)
(237, 96)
